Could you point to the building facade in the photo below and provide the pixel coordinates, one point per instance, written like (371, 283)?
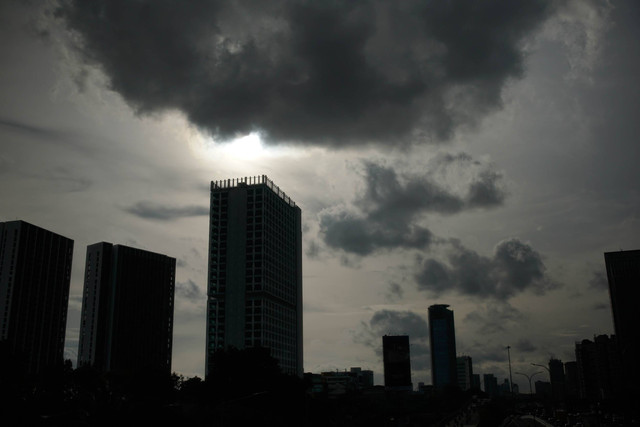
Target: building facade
(599, 368)
(396, 359)
(254, 290)
(35, 273)
(490, 385)
(442, 340)
(127, 309)
(623, 273)
(464, 372)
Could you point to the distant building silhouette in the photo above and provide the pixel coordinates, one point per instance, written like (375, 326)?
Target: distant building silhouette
(623, 274)
(442, 340)
(127, 309)
(557, 379)
(543, 388)
(337, 383)
(465, 372)
(35, 273)
(396, 359)
(599, 368)
(571, 379)
(255, 271)
(490, 385)
(475, 381)
(505, 388)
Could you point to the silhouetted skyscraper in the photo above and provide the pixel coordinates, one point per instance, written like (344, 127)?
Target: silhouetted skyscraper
(599, 374)
(35, 272)
(490, 385)
(442, 340)
(557, 379)
(127, 309)
(465, 372)
(623, 272)
(255, 271)
(396, 358)
(571, 379)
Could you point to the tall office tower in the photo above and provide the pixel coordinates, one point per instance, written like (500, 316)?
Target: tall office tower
(475, 381)
(623, 272)
(490, 385)
(35, 273)
(464, 371)
(571, 379)
(442, 339)
(127, 309)
(599, 368)
(255, 271)
(396, 358)
(557, 378)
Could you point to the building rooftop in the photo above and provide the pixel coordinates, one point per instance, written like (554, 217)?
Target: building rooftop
(252, 181)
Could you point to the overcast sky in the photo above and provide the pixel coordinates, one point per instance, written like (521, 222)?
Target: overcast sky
(478, 154)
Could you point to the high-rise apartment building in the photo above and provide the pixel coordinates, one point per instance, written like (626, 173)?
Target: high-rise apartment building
(623, 272)
(464, 372)
(396, 358)
(127, 309)
(255, 271)
(557, 379)
(599, 372)
(35, 273)
(442, 340)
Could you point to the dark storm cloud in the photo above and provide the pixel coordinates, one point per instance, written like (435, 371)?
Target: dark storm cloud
(390, 206)
(513, 268)
(333, 73)
(151, 210)
(390, 322)
(494, 318)
(525, 346)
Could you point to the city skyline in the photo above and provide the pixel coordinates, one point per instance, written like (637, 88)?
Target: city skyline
(492, 180)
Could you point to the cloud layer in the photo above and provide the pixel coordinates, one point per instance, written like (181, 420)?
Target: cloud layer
(513, 268)
(328, 73)
(391, 205)
(391, 322)
(156, 211)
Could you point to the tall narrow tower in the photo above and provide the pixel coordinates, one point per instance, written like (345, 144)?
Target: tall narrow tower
(35, 273)
(396, 358)
(623, 272)
(442, 340)
(127, 309)
(255, 271)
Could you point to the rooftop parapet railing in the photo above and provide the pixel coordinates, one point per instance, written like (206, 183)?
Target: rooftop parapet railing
(252, 180)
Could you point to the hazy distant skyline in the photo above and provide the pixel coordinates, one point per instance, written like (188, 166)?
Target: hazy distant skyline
(481, 155)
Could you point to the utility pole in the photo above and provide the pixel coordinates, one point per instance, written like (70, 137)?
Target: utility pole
(510, 379)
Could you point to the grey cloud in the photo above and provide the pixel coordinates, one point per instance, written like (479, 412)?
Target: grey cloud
(514, 268)
(151, 210)
(599, 281)
(362, 236)
(390, 322)
(189, 290)
(391, 204)
(494, 318)
(525, 346)
(394, 292)
(336, 73)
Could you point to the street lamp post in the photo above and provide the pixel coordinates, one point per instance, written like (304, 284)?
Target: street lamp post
(510, 379)
(550, 385)
(529, 377)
